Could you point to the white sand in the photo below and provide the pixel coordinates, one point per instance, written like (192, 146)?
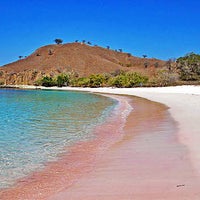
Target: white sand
(183, 103)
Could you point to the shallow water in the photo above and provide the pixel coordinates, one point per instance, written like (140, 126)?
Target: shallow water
(36, 126)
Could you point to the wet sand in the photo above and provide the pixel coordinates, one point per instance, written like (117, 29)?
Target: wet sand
(79, 160)
(148, 163)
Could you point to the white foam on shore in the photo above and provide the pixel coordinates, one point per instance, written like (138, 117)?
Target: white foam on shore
(183, 103)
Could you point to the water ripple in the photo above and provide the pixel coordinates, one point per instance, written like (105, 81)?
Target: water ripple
(37, 125)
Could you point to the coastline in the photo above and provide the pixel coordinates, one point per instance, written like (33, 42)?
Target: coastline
(183, 103)
(79, 159)
(184, 107)
(148, 163)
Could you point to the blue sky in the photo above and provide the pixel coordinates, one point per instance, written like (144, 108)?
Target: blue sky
(161, 29)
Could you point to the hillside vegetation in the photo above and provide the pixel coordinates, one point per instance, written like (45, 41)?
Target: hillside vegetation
(189, 67)
(118, 79)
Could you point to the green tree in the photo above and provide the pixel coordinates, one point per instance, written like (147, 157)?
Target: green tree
(128, 79)
(144, 56)
(96, 80)
(47, 81)
(63, 80)
(58, 41)
(81, 82)
(189, 67)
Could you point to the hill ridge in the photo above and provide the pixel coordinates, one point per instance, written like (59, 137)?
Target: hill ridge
(81, 58)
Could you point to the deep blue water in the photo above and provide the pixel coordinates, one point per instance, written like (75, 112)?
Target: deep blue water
(36, 125)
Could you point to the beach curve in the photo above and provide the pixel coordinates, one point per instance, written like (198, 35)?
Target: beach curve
(79, 160)
(184, 107)
(168, 172)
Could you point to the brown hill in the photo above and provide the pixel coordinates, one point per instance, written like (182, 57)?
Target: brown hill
(74, 57)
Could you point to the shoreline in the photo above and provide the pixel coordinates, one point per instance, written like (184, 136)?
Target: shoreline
(184, 107)
(79, 159)
(148, 163)
(183, 103)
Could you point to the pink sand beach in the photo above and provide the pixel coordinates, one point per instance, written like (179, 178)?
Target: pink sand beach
(149, 150)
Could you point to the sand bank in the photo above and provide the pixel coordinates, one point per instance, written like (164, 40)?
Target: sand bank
(158, 157)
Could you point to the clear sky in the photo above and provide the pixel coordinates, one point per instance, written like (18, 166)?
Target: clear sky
(158, 28)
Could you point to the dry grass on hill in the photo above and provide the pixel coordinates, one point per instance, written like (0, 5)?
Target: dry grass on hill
(75, 57)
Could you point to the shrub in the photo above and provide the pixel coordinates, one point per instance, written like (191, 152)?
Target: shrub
(34, 74)
(189, 67)
(129, 79)
(164, 78)
(121, 64)
(119, 79)
(47, 81)
(96, 80)
(80, 82)
(128, 65)
(156, 64)
(117, 72)
(63, 80)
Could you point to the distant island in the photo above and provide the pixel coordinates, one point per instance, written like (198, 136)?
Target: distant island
(85, 65)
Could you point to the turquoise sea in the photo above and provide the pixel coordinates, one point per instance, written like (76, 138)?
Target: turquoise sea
(37, 125)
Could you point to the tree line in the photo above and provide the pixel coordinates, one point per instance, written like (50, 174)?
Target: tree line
(116, 79)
